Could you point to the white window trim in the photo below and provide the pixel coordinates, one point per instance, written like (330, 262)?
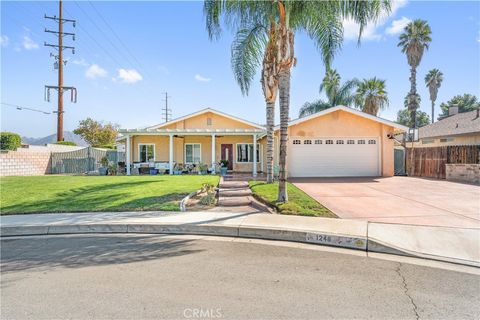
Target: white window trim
(260, 158)
(147, 144)
(185, 152)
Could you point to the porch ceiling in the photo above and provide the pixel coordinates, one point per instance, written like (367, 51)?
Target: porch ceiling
(167, 132)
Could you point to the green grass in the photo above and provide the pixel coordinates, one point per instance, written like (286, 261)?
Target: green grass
(47, 194)
(299, 203)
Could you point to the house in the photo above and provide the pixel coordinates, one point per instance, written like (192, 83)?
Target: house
(339, 141)
(455, 129)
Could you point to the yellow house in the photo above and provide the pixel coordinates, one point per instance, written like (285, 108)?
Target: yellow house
(339, 141)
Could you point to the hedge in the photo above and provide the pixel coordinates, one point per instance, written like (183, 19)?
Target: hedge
(10, 141)
(66, 143)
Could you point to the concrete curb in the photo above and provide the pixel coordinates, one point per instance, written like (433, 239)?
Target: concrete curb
(302, 236)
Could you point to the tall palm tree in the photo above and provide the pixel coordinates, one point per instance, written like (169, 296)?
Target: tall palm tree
(371, 96)
(337, 94)
(321, 20)
(433, 81)
(413, 41)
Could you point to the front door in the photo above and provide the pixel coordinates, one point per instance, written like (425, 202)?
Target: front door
(227, 154)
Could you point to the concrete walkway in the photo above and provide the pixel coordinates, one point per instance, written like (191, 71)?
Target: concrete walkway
(407, 200)
(455, 245)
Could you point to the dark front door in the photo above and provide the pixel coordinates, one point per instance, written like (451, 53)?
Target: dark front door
(227, 154)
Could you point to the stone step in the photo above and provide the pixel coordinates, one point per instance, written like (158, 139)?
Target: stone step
(234, 201)
(233, 184)
(235, 192)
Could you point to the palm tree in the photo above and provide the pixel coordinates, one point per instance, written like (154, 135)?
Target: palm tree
(371, 96)
(321, 20)
(337, 94)
(433, 81)
(413, 41)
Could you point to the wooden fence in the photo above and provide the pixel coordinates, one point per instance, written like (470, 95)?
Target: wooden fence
(430, 162)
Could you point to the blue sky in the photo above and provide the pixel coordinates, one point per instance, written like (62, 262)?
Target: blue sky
(163, 46)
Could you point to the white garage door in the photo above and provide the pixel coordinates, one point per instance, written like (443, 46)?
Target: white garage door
(333, 157)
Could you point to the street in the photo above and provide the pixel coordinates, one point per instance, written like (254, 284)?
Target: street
(188, 277)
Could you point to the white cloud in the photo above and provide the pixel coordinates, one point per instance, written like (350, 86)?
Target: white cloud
(201, 78)
(95, 71)
(4, 41)
(397, 26)
(370, 31)
(80, 62)
(28, 43)
(128, 76)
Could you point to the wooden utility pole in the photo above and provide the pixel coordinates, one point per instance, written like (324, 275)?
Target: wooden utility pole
(59, 63)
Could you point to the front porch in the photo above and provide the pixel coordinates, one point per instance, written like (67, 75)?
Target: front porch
(178, 151)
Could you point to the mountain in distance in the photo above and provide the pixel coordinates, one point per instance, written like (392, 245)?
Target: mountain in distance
(68, 136)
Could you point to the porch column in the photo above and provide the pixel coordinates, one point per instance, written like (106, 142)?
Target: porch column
(127, 154)
(254, 173)
(170, 152)
(213, 153)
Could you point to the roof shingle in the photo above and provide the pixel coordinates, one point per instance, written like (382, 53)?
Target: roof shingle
(462, 123)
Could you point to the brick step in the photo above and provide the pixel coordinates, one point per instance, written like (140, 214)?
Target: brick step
(234, 201)
(235, 192)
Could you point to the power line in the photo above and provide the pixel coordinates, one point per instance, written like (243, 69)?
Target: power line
(24, 108)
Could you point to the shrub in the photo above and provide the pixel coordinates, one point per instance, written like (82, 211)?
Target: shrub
(208, 200)
(106, 146)
(66, 143)
(10, 141)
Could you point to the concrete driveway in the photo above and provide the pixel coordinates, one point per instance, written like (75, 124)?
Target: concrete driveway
(405, 200)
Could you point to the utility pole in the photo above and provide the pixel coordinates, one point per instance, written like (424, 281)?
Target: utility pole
(58, 64)
(166, 111)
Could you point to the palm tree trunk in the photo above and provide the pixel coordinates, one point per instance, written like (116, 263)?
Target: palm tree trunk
(284, 86)
(413, 91)
(433, 111)
(270, 125)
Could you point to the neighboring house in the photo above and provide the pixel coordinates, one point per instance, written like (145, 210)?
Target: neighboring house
(339, 141)
(456, 129)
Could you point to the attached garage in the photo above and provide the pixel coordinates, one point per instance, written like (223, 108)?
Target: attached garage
(334, 157)
(341, 142)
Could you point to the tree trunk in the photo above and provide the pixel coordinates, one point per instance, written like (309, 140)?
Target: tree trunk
(413, 93)
(284, 86)
(433, 111)
(270, 125)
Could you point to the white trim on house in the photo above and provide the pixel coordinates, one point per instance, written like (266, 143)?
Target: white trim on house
(158, 126)
(193, 156)
(347, 109)
(146, 144)
(235, 155)
(192, 132)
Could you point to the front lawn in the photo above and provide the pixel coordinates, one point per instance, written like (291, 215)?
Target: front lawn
(299, 203)
(96, 193)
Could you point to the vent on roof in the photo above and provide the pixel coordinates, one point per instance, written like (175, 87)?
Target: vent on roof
(452, 110)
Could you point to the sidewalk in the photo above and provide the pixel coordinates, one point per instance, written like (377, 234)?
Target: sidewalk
(454, 245)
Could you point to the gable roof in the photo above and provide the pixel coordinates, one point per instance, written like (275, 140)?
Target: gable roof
(461, 123)
(350, 110)
(158, 126)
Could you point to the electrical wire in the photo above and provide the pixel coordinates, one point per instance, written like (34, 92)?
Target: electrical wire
(24, 108)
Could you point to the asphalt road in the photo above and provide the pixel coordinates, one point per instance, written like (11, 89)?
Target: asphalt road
(154, 276)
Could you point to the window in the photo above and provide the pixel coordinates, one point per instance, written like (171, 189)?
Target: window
(318, 141)
(447, 139)
(245, 152)
(361, 142)
(296, 141)
(372, 142)
(146, 152)
(328, 141)
(350, 141)
(209, 121)
(428, 141)
(307, 141)
(193, 153)
(339, 141)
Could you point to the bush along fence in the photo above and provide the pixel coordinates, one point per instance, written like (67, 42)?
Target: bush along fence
(431, 162)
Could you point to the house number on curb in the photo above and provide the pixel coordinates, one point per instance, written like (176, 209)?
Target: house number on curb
(336, 241)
